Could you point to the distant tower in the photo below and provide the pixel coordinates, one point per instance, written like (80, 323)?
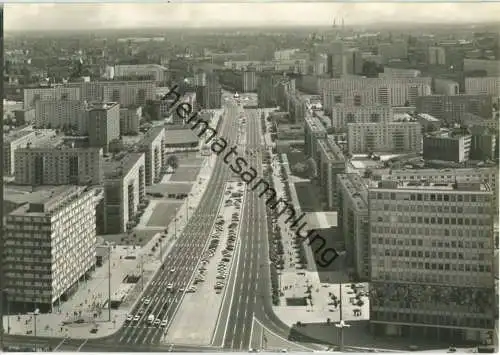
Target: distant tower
(342, 23)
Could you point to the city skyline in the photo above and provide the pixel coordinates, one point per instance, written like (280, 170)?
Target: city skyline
(20, 17)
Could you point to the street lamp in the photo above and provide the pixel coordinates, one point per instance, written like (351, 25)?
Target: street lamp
(34, 314)
(341, 324)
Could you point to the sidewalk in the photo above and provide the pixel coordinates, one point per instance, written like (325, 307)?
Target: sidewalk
(90, 300)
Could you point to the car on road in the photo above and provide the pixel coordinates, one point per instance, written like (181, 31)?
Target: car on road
(136, 318)
(141, 311)
(163, 323)
(192, 289)
(172, 270)
(170, 287)
(181, 289)
(130, 318)
(146, 301)
(157, 322)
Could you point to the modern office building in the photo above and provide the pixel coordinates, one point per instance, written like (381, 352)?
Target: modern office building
(483, 143)
(32, 95)
(398, 136)
(483, 86)
(313, 131)
(451, 109)
(353, 61)
(432, 260)
(60, 165)
(352, 219)
(49, 245)
(153, 147)
(447, 146)
(124, 190)
(62, 114)
(330, 163)
(130, 119)
(343, 114)
(103, 121)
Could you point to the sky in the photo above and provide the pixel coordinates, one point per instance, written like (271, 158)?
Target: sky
(233, 14)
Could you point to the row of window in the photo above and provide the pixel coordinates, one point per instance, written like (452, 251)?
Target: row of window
(429, 197)
(479, 221)
(433, 208)
(421, 254)
(433, 243)
(440, 266)
(420, 231)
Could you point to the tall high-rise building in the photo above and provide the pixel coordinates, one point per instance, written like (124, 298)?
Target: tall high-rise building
(432, 249)
(103, 120)
(49, 245)
(209, 95)
(336, 63)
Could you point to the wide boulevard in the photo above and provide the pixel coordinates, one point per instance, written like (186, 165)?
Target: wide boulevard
(249, 287)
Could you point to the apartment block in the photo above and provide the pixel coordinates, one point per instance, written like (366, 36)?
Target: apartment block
(124, 189)
(13, 141)
(343, 114)
(313, 131)
(447, 146)
(359, 91)
(32, 95)
(399, 136)
(60, 114)
(154, 72)
(153, 147)
(59, 165)
(353, 221)
(330, 162)
(209, 96)
(49, 245)
(452, 108)
(432, 260)
(129, 93)
(483, 86)
(103, 121)
(130, 120)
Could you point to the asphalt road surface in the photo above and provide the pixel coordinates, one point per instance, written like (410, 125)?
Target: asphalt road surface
(181, 264)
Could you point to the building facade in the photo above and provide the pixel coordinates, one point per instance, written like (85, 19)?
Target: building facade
(62, 165)
(103, 121)
(447, 147)
(395, 137)
(343, 114)
(31, 96)
(313, 132)
(58, 113)
(49, 245)
(330, 163)
(153, 147)
(130, 120)
(432, 260)
(124, 190)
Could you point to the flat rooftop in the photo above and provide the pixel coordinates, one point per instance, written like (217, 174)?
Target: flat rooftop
(100, 105)
(179, 136)
(119, 165)
(427, 185)
(357, 189)
(331, 150)
(427, 117)
(314, 124)
(151, 135)
(46, 200)
(17, 134)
